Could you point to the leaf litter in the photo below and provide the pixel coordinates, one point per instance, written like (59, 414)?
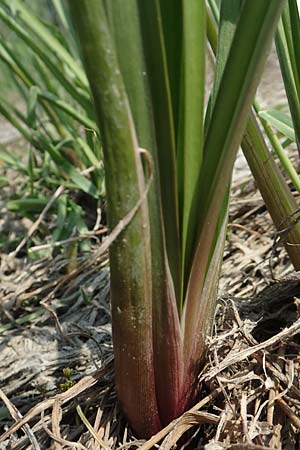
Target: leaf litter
(56, 359)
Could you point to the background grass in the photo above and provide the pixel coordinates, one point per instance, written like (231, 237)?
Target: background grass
(59, 146)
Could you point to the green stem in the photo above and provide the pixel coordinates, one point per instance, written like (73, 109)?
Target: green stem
(273, 188)
(130, 254)
(279, 150)
(168, 364)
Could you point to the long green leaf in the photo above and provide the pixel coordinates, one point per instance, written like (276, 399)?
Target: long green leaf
(272, 185)
(10, 115)
(172, 25)
(288, 32)
(247, 54)
(167, 353)
(190, 140)
(62, 12)
(131, 282)
(164, 121)
(294, 17)
(230, 11)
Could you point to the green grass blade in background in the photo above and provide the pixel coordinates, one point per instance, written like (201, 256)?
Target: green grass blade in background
(12, 160)
(62, 12)
(69, 110)
(289, 77)
(9, 114)
(80, 180)
(280, 121)
(31, 106)
(36, 46)
(289, 27)
(41, 32)
(54, 119)
(294, 18)
(9, 57)
(286, 124)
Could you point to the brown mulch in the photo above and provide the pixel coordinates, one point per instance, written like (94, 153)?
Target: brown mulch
(54, 319)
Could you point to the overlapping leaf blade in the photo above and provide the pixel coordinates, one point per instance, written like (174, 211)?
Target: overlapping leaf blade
(131, 283)
(287, 48)
(247, 54)
(167, 353)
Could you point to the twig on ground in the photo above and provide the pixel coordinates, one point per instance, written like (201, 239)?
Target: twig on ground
(243, 354)
(87, 235)
(37, 223)
(90, 428)
(62, 398)
(63, 441)
(16, 415)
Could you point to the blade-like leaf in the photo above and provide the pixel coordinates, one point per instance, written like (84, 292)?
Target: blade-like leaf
(10, 115)
(172, 25)
(190, 139)
(71, 171)
(280, 121)
(230, 12)
(288, 78)
(41, 32)
(244, 65)
(64, 16)
(69, 110)
(278, 148)
(131, 282)
(272, 186)
(157, 70)
(13, 61)
(82, 97)
(288, 32)
(31, 106)
(167, 352)
(295, 32)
